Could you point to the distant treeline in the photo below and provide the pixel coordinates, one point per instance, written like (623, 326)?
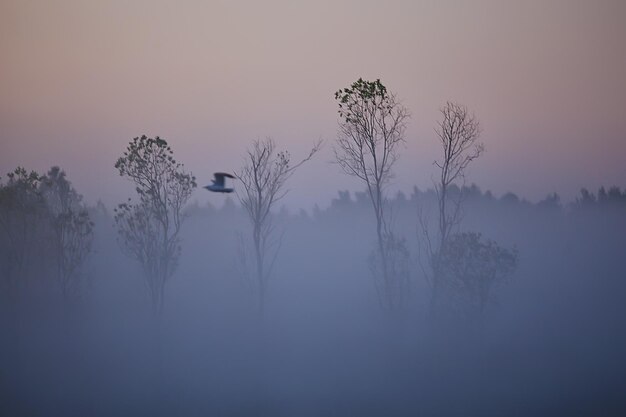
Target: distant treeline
(47, 227)
(614, 197)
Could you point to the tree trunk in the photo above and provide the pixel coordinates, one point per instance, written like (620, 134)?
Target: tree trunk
(388, 297)
(258, 251)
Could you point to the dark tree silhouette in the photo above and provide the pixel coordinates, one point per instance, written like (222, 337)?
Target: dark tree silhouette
(149, 229)
(23, 218)
(458, 132)
(72, 229)
(263, 177)
(371, 128)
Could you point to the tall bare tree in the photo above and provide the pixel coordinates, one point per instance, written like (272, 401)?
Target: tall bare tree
(263, 176)
(150, 229)
(72, 229)
(371, 129)
(458, 132)
(463, 265)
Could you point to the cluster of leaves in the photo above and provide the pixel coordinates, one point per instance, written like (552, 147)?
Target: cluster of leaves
(159, 179)
(361, 96)
(373, 124)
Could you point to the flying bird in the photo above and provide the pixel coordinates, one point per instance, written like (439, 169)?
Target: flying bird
(218, 185)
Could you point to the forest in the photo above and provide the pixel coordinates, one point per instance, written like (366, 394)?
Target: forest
(445, 301)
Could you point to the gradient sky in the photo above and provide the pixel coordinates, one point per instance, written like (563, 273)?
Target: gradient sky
(547, 79)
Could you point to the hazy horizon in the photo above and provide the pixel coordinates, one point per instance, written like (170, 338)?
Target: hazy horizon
(545, 79)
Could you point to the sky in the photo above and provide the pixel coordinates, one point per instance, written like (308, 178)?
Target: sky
(79, 79)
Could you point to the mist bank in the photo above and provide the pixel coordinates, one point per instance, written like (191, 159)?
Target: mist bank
(550, 341)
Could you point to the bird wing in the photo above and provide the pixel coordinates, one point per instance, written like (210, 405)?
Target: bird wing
(219, 178)
(224, 174)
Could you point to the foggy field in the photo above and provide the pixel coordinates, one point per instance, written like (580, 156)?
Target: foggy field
(551, 343)
(325, 208)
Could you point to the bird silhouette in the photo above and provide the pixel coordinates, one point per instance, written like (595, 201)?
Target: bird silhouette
(218, 185)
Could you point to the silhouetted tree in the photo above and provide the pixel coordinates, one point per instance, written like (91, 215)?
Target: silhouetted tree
(551, 202)
(23, 221)
(510, 199)
(458, 132)
(72, 229)
(149, 229)
(615, 195)
(470, 267)
(263, 177)
(586, 199)
(371, 128)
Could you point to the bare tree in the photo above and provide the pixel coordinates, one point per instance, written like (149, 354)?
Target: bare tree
(463, 266)
(371, 128)
(458, 132)
(150, 229)
(72, 229)
(263, 176)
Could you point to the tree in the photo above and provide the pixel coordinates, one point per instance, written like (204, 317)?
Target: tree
(263, 176)
(458, 132)
(470, 267)
(393, 292)
(149, 229)
(464, 266)
(371, 128)
(23, 218)
(72, 229)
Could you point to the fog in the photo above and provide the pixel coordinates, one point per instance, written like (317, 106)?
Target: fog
(551, 340)
(399, 289)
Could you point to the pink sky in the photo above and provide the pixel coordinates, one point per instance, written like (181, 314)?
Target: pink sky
(79, 79)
